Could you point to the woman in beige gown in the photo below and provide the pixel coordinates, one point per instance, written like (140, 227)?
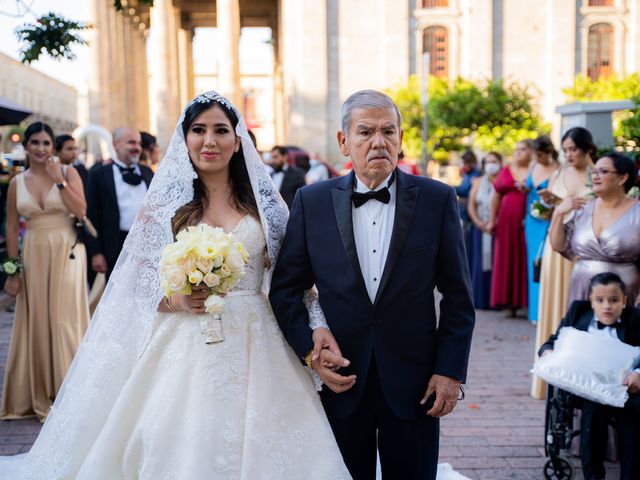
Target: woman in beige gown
(572, 180)
(52, 311)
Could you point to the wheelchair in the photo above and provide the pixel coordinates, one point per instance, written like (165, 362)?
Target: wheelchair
(559, 433)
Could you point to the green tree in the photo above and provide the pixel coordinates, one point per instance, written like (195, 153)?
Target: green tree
(626, 124)
(491, 115)
(55, 36)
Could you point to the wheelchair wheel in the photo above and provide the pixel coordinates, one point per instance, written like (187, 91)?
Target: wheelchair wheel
(562, 470)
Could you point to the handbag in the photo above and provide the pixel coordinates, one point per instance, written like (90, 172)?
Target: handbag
(85, 231)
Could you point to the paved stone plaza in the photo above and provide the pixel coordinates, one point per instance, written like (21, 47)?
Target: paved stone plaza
(496, 433)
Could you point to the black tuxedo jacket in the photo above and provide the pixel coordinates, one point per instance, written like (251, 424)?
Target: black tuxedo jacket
(580, 315)
(400, 327)
(103, 211)
(293, 180)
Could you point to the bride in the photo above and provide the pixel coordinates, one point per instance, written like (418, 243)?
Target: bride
(145, 397)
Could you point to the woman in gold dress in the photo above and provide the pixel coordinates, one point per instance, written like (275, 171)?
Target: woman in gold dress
(52, 311)
(571, 181)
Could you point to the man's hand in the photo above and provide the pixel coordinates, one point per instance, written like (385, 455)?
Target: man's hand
(447, 390)
(326, 359)
(99, 263)
(633, 382)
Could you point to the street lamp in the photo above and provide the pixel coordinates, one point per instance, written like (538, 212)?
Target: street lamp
(424, 99)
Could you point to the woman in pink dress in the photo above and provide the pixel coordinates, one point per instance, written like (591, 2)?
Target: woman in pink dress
(508, 209)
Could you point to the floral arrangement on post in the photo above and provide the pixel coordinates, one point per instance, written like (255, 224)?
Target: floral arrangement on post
(204, 254)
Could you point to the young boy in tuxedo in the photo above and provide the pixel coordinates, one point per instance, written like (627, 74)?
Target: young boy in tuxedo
(606, 314)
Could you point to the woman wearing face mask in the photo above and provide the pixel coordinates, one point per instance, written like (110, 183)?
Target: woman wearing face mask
(509, 281)
(52, 310)
(536, 221)
(481, 251)
(570, 181)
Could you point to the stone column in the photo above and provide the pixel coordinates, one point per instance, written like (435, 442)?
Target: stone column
(96, 52)
(184, 42)
(164, 95)
(191, 77)
(228, 23)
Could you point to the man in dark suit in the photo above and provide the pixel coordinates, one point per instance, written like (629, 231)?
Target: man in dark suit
(376, 243)
(605, 314)
(114, 195)
(287, 178)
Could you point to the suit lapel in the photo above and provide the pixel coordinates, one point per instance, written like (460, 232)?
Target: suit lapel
(147, 176)
(111, 183)
(342, 208)
(585, 320)
(622, 329)
(406, 195)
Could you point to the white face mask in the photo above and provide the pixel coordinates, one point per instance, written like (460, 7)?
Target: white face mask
(491, 168)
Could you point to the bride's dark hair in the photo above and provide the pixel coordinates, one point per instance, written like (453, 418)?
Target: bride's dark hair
(243, 198)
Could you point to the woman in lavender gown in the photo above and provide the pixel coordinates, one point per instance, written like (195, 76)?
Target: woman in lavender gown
(602, 234)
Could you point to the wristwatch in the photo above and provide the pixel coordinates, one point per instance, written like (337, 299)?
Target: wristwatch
(62, 185)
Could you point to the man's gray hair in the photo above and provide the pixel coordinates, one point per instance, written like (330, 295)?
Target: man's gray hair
(120, 132)
(366, 99)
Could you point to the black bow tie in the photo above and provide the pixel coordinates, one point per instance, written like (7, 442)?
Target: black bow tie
(129, 175)
(383, 195)
(603, 325)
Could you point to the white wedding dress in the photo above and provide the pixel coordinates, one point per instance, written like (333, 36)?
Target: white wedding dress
(241, 409)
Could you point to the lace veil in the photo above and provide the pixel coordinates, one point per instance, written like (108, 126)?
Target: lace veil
(123, 319)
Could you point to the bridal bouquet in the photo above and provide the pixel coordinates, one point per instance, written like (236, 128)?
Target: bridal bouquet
(204, 254)
(540, 211)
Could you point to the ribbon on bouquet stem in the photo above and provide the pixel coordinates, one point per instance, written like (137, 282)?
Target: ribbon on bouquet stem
(211, 328)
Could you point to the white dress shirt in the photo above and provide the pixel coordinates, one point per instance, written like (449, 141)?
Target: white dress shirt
(278, 177)
(603, 332)
(372, 229)
(129, 197)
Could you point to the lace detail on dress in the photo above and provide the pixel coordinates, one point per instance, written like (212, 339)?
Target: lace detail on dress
(249, 232)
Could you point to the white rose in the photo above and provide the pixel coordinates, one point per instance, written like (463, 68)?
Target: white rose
(211, 280)
(175, 278)
(224, 271)
(235, 261)
(214, 304)
(204, 265)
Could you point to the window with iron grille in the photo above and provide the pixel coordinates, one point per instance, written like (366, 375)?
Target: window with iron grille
(435, 40)
(600, 51)
(435, 3)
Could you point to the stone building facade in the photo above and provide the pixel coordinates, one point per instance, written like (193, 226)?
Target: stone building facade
(323, 50)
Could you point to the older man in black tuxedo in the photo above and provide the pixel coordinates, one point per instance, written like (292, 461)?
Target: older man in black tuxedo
(376, 243)
(114, 195)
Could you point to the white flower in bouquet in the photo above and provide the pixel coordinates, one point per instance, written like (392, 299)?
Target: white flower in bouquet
(211, 280)
(204, 254)
(214, 304)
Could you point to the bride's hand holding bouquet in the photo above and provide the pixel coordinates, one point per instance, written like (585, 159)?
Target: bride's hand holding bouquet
(198, 269)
